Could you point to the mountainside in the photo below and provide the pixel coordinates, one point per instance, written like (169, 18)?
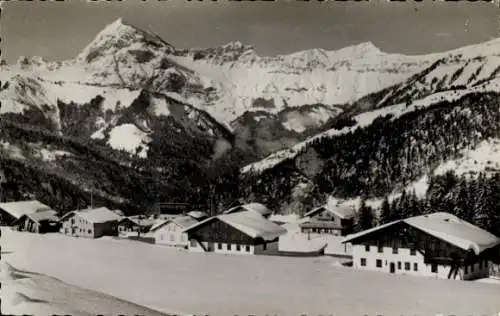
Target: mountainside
(135, 121)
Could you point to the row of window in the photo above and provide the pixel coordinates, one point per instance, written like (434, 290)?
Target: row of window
(482, 264)
(238, 247)
(380, 249)
(378, 264)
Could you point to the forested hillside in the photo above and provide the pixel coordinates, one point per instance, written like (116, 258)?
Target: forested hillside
(383, 157)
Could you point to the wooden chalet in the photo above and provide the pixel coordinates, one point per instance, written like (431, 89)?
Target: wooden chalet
(39, 222)
(11, 212)
(329, 220)
(438, 244)
(134, 225)
(242, 232)
(257, 208)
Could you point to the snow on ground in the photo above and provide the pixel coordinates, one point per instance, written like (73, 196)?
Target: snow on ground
(129, 138)
(31, 293)
(165, 279)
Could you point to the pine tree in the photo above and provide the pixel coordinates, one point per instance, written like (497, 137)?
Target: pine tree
(386, 212)
(366, 217)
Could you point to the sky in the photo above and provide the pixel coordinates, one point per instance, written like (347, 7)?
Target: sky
(60, 30)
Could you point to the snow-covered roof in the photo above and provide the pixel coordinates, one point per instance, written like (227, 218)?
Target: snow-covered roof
(252, 207)
(319, 224)
(343, 212)
(139, 221)
(250, 223)
(99, 215)
(47, 215)
(446, 227)
(197, 214)
(181, 221)
(18, 209)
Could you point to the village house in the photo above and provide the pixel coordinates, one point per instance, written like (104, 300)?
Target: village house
(134, 225)
(10, 212)
(39, 222)
(439, 245)
(256, 208)
(91, 223)
(171, 232)
(329, 220)
(240, 232)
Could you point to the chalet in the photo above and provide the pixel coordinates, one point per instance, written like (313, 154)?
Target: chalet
(39, 222)
(171, 232)
(256, 208)
(10, 212)
(92, 223)
(134, 226)
(329, 220)
(241, 232)
(438, 244)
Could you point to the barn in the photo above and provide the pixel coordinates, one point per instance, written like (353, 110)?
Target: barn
(39, 222)
(241, 232)
(439, 245)
(10, 212)
(91, 223)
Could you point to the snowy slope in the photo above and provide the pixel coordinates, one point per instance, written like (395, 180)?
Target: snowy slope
(258, 285)
(27, 293)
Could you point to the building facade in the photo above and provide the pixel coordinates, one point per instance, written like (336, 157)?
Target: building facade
(436, 245)
(329, 220)
(171, 232)
(92, 223)
(235, 233)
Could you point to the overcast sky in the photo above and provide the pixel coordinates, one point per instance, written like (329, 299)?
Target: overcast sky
(59, 30)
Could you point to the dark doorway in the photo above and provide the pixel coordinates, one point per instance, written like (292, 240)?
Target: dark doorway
(393, 267)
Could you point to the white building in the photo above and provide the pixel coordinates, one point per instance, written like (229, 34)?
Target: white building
(92, 223)
(171, 232)
(439, 245)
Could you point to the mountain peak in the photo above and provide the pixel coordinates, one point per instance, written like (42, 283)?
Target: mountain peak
(116, 36)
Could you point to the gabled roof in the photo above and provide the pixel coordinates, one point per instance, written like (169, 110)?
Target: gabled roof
(197, 214)
(446, 227)
(252, 207)
(181, 221)
(18, 209)
(250, 223)
(43, 216)
(343, 212)
(97, 215)
(144, 222)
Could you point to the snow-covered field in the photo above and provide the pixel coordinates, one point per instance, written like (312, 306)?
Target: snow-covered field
(173, 280)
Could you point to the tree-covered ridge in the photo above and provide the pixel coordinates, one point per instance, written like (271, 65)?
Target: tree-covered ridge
(387, 155)
(473, 199)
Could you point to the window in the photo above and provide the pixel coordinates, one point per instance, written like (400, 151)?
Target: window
(161, 236)
(193, 243)
(472, 268)
(367, 248)
(219, 246)
(399, 265)
(89, 231)
(264, 247)
(247, 248)
(434, 268)
(238, 248)
(228, 246)
(380, 249)
(363, 262)
(379, 263)
(413, 252)
(407, 266)
(415, 266)
(172, 237)
(395, 250)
